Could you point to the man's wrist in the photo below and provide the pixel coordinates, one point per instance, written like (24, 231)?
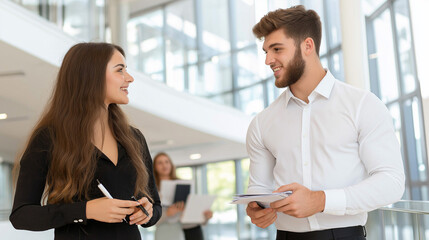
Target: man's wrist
(320, 199)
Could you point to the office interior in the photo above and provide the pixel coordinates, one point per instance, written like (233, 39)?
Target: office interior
(200, 78)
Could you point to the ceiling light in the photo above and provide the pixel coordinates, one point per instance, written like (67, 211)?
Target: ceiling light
(195, 156)
(3, 116)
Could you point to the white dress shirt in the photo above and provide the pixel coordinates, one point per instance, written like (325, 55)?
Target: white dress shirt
(341, 142)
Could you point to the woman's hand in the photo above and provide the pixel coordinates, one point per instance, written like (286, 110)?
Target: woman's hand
(109, 210)
(208, 214)
(139, 217)
(175, 208)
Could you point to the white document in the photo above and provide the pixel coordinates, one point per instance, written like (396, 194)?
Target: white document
(263, 199)
(195, 207)
(168, 188)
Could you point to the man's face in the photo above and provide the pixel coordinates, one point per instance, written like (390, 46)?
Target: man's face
(284, 58)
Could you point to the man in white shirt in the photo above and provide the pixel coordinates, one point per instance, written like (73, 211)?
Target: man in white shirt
(331, 144)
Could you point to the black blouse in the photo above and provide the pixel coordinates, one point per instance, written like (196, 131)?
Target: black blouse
(69, 219)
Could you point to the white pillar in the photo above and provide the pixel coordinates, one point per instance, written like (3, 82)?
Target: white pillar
(354, 43)
(118, 15)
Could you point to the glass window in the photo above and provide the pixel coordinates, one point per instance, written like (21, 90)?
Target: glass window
(272, 91)
(196, 83)
(406, 57)
(337, 67)
(334, 27)
(413, 126)
(385, 57)
(221, 183)
(252, 99)
(396, 115)
(418, 138)
(198, 58)
(215, 26)
(264, 71)
(32, 5)
(225, 99)
(247, 73)
(145, 41)
(77, 16)
(175, 77)
(276, 4)
(245, 163)
(185, 173)
(369, 6)
(324, 62)
(244, 18)
(180, 36)
(217, 74)
(387, 52)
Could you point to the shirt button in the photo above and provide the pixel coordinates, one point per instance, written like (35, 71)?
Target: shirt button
(80, 220)
(75, 221)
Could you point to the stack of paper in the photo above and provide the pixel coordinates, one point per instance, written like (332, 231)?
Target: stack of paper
(263, 199)
(195, 207)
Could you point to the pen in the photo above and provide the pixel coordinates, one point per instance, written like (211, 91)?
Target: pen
(140, 206)
(106, 193)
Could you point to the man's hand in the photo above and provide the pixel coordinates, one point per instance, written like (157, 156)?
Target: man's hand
(301, 203)
(259, 216)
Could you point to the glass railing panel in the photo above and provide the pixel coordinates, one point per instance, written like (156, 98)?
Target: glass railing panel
(402, 220)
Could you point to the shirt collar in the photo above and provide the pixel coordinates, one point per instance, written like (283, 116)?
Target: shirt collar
(324, 88)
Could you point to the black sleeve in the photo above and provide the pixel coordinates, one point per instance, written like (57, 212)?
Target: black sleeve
(28, 212)
(157, 209)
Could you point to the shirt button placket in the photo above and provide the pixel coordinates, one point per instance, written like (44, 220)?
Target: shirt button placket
(305, 146)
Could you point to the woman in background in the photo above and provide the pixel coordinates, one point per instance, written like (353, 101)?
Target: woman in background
(168, 226)
(83, 136)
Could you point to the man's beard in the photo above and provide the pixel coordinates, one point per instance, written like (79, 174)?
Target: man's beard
(294, 70)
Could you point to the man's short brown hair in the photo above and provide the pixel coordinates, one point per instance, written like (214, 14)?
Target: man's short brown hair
(297, 22)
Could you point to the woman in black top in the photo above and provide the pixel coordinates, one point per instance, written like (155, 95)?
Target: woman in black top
(83, 136)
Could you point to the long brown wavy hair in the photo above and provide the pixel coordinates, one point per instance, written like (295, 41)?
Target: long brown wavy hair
(75, 105)
(156, 174)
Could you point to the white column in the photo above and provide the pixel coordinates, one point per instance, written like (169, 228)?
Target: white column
(354, 43)
(118, 15)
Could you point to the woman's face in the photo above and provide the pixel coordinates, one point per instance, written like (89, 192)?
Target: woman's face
(163, 166)
(117, 80)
